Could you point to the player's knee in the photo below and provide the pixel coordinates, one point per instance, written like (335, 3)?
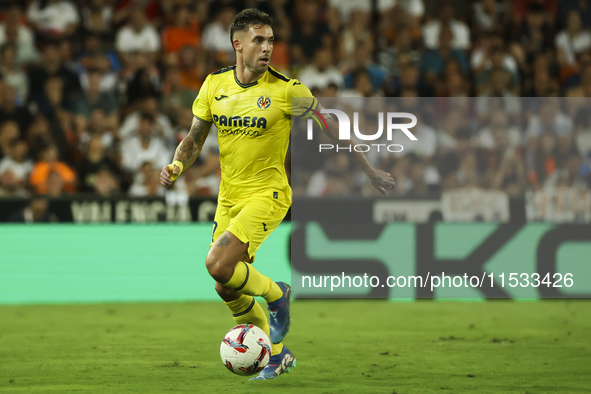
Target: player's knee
(217, 269)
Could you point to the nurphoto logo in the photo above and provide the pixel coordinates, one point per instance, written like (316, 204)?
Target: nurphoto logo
(345, 130)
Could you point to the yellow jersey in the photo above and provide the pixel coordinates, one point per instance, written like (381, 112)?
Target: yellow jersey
(253, 124)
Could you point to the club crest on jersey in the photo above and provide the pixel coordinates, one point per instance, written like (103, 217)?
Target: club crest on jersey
(264, 102)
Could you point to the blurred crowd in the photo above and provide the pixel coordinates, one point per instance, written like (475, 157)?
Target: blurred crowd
(490, 143)
(96, 94)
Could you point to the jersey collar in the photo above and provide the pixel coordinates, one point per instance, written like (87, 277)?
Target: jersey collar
(248, 85)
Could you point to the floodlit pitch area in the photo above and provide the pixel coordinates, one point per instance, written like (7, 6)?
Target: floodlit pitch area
(341, 346)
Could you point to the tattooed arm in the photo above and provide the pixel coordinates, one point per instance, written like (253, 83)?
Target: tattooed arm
(187, 151)
(380, 179)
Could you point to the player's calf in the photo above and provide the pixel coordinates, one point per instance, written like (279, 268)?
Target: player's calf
(225, 253)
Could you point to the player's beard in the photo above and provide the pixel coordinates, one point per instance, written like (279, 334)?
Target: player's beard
(259, 67)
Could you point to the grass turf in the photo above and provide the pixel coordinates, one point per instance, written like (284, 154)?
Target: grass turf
(341, 347)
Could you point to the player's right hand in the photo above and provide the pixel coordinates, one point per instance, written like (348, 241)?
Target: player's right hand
(167, 176)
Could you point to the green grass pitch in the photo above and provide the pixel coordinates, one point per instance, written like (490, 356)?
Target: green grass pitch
(341, 346)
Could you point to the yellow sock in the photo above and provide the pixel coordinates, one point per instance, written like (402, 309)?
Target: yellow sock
(247, 280)
(246, 310)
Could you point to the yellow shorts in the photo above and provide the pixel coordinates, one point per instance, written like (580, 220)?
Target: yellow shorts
(251, 221)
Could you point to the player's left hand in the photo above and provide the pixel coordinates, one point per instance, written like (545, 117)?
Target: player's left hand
(381, 180)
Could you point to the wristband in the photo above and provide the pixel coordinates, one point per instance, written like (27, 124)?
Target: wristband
(171, 167)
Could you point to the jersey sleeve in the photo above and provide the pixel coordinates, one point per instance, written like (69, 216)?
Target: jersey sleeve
(201, 107)
(300, 101)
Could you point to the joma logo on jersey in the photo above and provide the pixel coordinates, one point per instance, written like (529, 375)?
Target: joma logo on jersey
(264, 102)
(239, 121)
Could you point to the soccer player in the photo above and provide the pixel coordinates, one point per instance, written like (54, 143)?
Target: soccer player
(251, 106)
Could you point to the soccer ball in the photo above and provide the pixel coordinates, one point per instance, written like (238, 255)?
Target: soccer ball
(246, 349)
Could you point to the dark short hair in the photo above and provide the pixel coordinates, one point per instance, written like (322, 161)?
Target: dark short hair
(247, 18)
(147, 117)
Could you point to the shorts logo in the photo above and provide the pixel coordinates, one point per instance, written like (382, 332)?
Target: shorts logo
(275, 195)
(263, 102)
(264, 226)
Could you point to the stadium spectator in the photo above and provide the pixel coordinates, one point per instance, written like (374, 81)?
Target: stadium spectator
(419, 180)
(125, 9)
(216, 37)
(54, 19)
(138, 36)
(335, 179)
(309, 33)
(43, 132)
(9, 131)
(583, 134)
(144, 147)
(572, 41)
(93, 163)
(363, 62)
(510, 176)
(583, 8)
(92, 97)
(96, 57)
(548, 9)
(410, 80)
(146, 182)
(281, 53)
(347, 8)
(205, 179)
(535, 35)
(97, 18)
(55, 185)
(332, 90)
(12, 74)
(448, 134)
(14, 31)
(468, 174)
(192, 68)
(53, 101)
(9, 109)
(176, 99)
(543, 160)
(413, 9)
(184, 31)
(550, 119)
(52, 66)
(362, 86)
(490, 53)
(435, 60)
(426, 143)
(401, 53)
(488, 15)
(50, 165)
(106, 184)
(98, 126)
(498, 94)
(354, 34)
(143, 82)
(488, 136)
(569, 175)
(15, 168)
(401, 172)
(459, 30)
(321, 72)
(37, 211)
(148, 107)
